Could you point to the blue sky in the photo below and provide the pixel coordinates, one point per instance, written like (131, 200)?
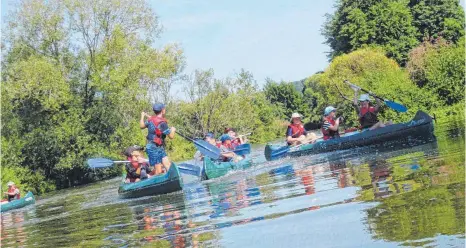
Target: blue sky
(277, 39)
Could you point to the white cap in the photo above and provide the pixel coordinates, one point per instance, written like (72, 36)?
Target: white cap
(296, 115)
(10, 183)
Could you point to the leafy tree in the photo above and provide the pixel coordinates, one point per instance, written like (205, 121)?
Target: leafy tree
(395, 25)
(370, 69)
(439, 67)
(438, 18)
(285, 95)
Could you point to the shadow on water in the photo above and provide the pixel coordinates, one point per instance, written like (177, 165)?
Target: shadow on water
(372, 196)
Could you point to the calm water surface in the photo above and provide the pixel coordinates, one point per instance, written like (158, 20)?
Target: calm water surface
(412, 196)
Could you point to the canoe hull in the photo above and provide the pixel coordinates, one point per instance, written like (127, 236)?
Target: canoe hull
(156, 185)
(420, 128)
(213, 169)
(28, 199)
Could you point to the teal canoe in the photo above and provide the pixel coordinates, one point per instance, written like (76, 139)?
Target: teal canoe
(212, 169)
(22, 202)
(156, 185)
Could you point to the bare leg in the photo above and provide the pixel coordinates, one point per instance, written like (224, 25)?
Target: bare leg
(158, 169)
(166, 163)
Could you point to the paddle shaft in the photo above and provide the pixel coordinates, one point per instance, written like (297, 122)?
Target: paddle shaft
(368, 92)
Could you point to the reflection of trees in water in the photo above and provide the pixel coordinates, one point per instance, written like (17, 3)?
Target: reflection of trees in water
(426, 196)
(164, 224)
(14, 236)
(78, 227)
(419, 214)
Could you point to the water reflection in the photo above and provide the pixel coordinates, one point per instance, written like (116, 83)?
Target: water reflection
(363, 197)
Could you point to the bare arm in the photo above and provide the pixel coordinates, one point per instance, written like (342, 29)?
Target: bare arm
(355, 99)
(172, 133)
(228, 154)
(142, 125)
(377, 106)
(335, 127)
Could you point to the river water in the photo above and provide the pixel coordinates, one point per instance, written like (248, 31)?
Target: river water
(411, 196)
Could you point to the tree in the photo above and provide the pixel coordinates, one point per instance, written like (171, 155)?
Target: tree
(439, 68)
(370, 69)
(284, 94)
(438, 18)
(395, 25)
(76, 76)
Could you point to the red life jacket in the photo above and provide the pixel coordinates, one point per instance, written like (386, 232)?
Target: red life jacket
(12, 190)
(367, 117)
(296, 130)
(156, 121)
(329, 134)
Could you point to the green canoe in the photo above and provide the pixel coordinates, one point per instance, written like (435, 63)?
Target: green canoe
(212, 169)
(26, 200)
(156, 185)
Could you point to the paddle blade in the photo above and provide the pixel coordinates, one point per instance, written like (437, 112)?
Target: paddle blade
(243, 149)
(189, 169)
(396, 106)
(99, 163)
(207, 149)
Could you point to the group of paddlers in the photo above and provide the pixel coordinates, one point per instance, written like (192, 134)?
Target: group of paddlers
(297, 135)
(140, 168)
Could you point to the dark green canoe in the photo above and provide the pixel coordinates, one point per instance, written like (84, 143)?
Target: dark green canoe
(156, 185)
(212, 169)
(26, 200)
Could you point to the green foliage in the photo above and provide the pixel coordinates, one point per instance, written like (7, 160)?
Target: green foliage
(285, 95)
(395, 25)
(439, 67)
(443, 18)
(76, 77)
(369, 68)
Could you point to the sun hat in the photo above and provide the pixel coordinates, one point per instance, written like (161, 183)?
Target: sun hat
(329, 110)
(364, 97)
(10, 183)
(296, 115)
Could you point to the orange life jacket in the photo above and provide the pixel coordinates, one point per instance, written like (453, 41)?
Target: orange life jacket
(296, 130)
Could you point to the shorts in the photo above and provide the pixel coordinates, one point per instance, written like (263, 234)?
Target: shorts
(155, 153)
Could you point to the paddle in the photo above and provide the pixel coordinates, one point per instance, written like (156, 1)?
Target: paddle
(204, 147)
(395, 106)
(243, 149)
(189, 169)
(103, 162)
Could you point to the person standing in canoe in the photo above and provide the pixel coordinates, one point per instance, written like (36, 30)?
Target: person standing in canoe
(158, 130)
(138, 168)
(368, 114)
(13, 192)
(296, 134)
(331, 123)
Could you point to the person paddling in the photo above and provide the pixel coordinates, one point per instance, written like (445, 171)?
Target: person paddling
(368, 114)
(331, 123)
(13, 192)
(236, 141)
(296, 134)
(210, 138)
(158, 130)
(138, 168)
